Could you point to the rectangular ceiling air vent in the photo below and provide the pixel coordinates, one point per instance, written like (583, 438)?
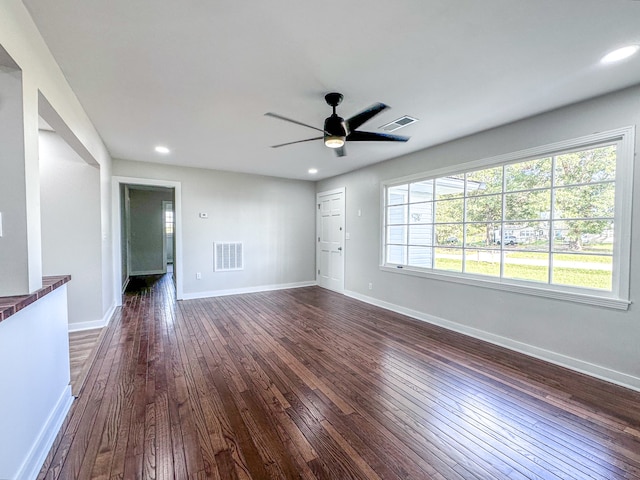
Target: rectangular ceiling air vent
(399, 123)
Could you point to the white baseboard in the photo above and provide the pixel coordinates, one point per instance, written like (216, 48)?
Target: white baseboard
(90, 325)
(597, 371)
(109, 314)
(237, 291)
(34, 461)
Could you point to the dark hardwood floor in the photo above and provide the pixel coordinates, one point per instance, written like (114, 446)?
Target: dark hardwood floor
(82, 350)
(310, 384)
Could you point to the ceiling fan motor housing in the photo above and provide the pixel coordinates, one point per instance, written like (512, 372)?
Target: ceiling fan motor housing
(334, 126)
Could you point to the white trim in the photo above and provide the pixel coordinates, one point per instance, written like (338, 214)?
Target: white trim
(116, 181)
(106, 319)
(332, 192)
(602, 373)
(618, 298)
(622, 227)
(126, 284)
(507, 285)
(126, 221)
(239, 291)
(90, 325)
(93, 324)
(40, 449)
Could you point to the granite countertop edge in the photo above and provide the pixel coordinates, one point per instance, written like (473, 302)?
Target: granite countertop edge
(11, 305)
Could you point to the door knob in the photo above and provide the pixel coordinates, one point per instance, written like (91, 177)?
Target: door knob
(339, 249)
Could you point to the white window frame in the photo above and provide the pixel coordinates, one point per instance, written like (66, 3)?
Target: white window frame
(618, 298)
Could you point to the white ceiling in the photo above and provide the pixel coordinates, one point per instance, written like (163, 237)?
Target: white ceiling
(198, 76)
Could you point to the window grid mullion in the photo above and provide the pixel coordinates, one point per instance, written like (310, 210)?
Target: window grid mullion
(464, 224)
(433, 223)
(407, 226)
(552, 218)
(502, 220)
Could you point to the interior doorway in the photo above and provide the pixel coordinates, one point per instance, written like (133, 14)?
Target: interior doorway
(147, 231)
(145, 226)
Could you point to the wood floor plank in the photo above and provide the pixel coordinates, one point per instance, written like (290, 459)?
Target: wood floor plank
(309, 384)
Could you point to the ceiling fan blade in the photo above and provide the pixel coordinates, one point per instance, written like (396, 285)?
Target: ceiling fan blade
(354, 122)
(280, 117)
(340, 152)
(297, 141)
(375, 137)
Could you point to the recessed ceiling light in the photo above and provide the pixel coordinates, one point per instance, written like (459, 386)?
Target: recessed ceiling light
(162, 149)
(620, 54)
(313, 170)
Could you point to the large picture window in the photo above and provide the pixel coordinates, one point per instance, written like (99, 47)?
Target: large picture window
(549, 221)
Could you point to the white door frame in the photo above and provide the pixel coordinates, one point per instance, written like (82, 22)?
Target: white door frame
(341, 190)
(126, 221)
(117, 233)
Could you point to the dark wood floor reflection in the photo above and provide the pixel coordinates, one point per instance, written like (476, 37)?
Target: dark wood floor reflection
(306, 383)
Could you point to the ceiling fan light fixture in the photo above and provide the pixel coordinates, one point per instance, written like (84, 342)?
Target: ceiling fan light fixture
(334, 141)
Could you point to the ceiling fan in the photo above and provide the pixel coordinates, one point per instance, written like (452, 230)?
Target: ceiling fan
(337, 130)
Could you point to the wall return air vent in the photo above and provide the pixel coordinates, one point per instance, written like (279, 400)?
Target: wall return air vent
(399, 123)
(227, 256)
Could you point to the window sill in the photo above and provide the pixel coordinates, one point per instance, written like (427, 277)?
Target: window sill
(508, 286)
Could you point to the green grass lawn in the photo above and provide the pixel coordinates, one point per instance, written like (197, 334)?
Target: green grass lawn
(577, 277)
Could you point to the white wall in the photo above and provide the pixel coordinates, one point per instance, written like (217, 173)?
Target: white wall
(273, 217)
(596, 340)
(14, 253)
(71, 230)
(34, 381)
(43, 79)
(108, 302)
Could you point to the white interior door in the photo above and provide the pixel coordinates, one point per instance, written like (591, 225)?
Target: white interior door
(330, 227)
